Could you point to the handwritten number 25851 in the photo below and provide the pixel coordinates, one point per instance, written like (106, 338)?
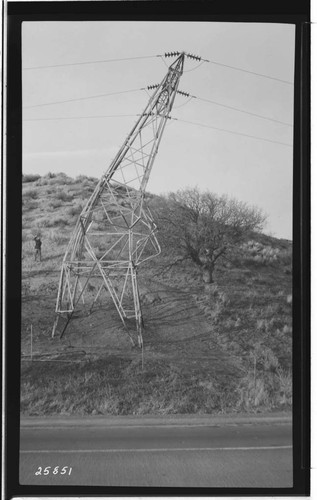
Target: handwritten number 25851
(53, 470)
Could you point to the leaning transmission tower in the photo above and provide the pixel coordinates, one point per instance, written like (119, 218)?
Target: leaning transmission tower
(115, 232)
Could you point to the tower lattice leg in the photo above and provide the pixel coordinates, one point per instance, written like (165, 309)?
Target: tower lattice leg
(115, 233)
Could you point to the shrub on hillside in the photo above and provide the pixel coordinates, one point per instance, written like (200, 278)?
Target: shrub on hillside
(63, 196)
(43, 181)
(255, 252)
(30, 177)
(61, 179)
(267, 390)
(55, 179)
(85, 193)
(81, 178)
(30, 193)
(53, 222)
(57, 238)
(86, 181)
(59, 221)
(30, 204)
(55, 203)
(286, 256)
(74, 210)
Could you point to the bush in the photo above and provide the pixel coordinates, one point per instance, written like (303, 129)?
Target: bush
(30, 193)
(85, 193)
(53, 221)
(30, 204)
(273, 390)
(255, 252)
(57, 238)
(46, 179)
(53, 179)
(81, 178)
(59, 221)
(55, 204)
(61, 179)
(62, 195)
(286, 257)
(74, 210)
(42, 181)
(30, 177)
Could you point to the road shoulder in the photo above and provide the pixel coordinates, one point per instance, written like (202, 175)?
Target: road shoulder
(157, 421)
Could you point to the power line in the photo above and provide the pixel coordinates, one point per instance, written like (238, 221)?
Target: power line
(251, 72)
(162, 58)
(243, 111)
(140, 89)
(175, 119)
(184, 103)
(89, 62)
(74, 118)
(196, 67)
(81, 98)
(232, 132)
(101, 61)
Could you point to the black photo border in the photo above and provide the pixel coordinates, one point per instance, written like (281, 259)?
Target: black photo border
(276, 11)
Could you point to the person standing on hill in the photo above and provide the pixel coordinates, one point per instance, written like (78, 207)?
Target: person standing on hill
(38, 245)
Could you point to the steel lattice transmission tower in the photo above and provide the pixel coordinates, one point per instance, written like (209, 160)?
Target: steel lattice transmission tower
(115, 232)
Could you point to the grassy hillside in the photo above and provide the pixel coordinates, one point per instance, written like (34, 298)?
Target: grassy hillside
(208, 349)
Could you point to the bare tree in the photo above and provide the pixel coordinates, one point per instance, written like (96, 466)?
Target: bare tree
(202, 226)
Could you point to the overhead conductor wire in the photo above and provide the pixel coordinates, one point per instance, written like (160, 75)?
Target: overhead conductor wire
(149, 87)
(244, 111)
(75, 117)
(101, 61)
(82, 63)
(75, 99)
(191, 56)
(232, 132)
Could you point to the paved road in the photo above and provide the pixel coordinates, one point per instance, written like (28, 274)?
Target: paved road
(188, 452)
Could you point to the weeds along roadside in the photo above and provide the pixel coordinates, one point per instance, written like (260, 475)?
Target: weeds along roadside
(251, 314)
(249, 308)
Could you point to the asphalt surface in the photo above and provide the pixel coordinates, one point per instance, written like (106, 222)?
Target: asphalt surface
(173, 452)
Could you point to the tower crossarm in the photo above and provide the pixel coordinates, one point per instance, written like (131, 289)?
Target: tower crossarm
(153, 118)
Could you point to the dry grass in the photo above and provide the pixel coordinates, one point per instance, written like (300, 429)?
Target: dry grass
(249, 311)
(120, 387)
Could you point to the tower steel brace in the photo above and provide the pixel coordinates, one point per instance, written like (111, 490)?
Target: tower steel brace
(115, 231)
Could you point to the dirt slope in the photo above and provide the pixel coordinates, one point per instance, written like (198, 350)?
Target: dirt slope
(175, 329)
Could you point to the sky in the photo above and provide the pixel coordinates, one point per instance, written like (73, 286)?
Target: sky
(69, 137)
